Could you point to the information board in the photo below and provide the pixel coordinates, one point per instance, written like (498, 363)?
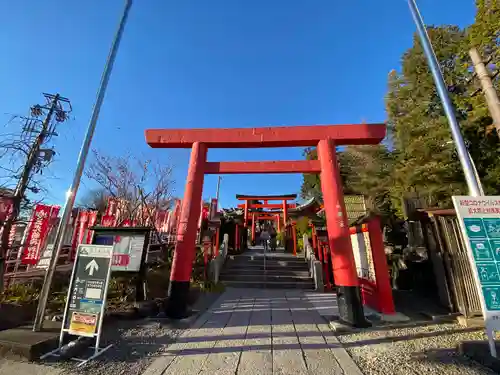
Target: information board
(479, 219)
(127, 250)
(88, 289)
(127, 253)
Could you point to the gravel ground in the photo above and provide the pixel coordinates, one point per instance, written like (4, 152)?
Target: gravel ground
(425, 348)
(136, 344)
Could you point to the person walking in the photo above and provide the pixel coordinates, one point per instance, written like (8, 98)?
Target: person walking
(264, 237)
(273, 234)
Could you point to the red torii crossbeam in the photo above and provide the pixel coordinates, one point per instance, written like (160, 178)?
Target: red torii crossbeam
(324, 137)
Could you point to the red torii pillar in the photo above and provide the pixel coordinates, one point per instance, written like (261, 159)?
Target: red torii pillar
(182, 264)
(338, 232)
(285, 212)
(245, 217)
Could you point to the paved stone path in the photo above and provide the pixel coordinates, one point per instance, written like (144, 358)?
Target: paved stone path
(258, 331)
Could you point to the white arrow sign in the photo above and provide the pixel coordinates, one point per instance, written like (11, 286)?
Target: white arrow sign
(91, 267)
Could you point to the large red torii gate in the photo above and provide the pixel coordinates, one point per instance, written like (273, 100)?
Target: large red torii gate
(324, 137)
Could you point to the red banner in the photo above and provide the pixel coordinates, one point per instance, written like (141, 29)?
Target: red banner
(174, 219)
(112, 206)
(108, 221)
(38, 231)
(92, 219)
(6, 206)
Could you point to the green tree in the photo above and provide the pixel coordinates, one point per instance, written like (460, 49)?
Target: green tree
(425, 159)
(364, 170)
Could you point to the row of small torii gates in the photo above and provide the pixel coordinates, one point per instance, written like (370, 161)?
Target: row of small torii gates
(326, 138)
(252, 214)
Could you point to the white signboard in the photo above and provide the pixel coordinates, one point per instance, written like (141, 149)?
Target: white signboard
(479, 219)
(45, 258)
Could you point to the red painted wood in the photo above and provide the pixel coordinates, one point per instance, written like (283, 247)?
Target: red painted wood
(344, 267)
(260, 197)
(260, 167)
(269, 205)
(285, 211)
(276, 136)
(383, 286)
(184, 254)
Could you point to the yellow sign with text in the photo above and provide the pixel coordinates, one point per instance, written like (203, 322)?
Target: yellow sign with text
(83, 324)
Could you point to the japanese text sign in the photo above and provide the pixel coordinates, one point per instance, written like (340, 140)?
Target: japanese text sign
(479, 219)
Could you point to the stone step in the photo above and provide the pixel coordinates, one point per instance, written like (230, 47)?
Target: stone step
(269, 285)
(266, 277)
(260, 268)
(257, 271)
(248, 263)
(243, 258)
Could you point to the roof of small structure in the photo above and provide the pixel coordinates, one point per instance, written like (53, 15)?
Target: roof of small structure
(308, 209)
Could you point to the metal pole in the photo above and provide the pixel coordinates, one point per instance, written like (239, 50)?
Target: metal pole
(71, 194)
(217, 194)
(472, 182)
(476, 174)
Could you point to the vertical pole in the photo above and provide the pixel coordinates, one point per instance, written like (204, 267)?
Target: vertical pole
(326, 269)
(294, 239)
(285, 212)
(245, 215)
(71, 194)
(313, 235)
(184, 254)
(217, 194)
(253, 228)
(237, 238)
(217, 234)
(488, 89)
(21, 187)
(344, 268)
(278, 221)
(442, 90)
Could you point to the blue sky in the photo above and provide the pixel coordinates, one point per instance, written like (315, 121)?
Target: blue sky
(200, 63)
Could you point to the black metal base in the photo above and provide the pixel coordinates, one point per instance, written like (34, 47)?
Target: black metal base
(351, 307)
(177, 301)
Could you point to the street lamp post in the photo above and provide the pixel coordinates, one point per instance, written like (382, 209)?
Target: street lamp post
(71, 193)
(471, 178)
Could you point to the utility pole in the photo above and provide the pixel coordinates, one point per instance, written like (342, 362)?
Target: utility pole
(488, 89)
(53, 107)
(82, 158)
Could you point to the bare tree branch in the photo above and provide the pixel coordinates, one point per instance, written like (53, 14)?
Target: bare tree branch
(143, 188)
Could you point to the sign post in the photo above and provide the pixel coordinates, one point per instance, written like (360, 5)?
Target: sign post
(479, 219)
(86, 300)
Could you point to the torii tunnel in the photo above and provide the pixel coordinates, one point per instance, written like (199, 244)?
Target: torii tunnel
(251, 210)
(324, 137)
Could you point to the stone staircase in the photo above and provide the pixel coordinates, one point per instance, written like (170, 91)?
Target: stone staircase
(278, 270)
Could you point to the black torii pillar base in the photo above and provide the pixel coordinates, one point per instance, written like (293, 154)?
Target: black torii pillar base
(351, 307)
